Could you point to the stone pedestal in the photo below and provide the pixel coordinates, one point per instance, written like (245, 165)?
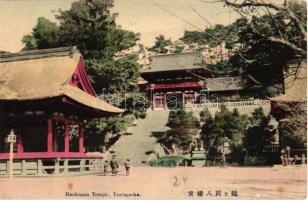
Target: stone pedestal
(198, 158)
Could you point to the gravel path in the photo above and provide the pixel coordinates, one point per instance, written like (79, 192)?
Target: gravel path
(167, 183)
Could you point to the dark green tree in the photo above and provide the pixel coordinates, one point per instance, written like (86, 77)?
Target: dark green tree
(294, 130)
(270, 35)
(90, 25)
(183, 126)
(178, 49)
(99, 129)
(246, 134)
(205, 115)
(160, 44)
(228, 124)
(259, 134)
(214, 36)
(44, 35)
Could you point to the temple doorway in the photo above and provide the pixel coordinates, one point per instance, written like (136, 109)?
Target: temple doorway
(174, 101)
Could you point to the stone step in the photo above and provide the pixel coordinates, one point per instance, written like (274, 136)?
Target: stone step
(141, 146)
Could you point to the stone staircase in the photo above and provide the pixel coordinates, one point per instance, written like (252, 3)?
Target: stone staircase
(138, 145)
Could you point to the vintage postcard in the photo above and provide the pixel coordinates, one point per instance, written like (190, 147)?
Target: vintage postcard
(153, 99)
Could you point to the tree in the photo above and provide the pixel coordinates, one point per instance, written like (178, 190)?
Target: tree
(179, 49)
(160, 44)
(269, 35)
(205, 115)
(275, 34)
(259, 134)
(213, 36)
(251, 134)
(183, 126)
(225, 123)
(90, 26)
(100, 131)
(44, 35)
(284, 24)
(294, 129)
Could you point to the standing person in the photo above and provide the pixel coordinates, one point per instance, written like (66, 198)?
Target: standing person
(192, 148)
(283, 157)
(223, 157)
(106, 168)
(127, 165)
(288, 155)
(224, 149)
(114, 166)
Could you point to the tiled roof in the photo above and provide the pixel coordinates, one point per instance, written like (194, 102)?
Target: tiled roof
(224, 83)
(172, 62)
(42, 74)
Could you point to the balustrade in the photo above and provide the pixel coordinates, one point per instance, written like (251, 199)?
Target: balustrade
(229, 105)
(52, 167)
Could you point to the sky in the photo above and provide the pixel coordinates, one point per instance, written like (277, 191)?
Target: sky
(147, 17)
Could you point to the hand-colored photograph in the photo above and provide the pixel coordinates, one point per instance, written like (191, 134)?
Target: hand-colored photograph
(153, 99)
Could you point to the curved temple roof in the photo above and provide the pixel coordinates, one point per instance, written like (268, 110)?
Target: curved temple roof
(42, 74)
(173, 62)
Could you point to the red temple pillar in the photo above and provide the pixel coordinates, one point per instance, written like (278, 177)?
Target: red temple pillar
(66, 137)
(81, 130)
(49, 135)
(152, 99)
(165, 101)
(20, 147)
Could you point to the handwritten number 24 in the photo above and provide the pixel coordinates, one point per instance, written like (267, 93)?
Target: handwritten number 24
(178, 181)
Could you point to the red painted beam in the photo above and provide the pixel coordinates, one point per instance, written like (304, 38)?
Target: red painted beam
(174, 85)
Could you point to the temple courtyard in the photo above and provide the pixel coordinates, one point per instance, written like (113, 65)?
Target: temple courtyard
(171, 183)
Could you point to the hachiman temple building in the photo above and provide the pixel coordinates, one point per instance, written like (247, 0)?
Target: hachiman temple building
(181, 79)
(45, 97)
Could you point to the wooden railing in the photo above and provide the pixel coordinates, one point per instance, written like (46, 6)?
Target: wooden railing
(52, 167)
(174, 85)
(244, 105)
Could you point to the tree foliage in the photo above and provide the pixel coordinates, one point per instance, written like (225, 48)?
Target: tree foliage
(205, 115)
(99, 129)
(270, 36)
(251, 133)
(294, 129)
(225, 123)
(183, 126)
(90, 25)
(259, 133)
(215, 35)
(272, 24)
(160, 44)
(44, 35)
